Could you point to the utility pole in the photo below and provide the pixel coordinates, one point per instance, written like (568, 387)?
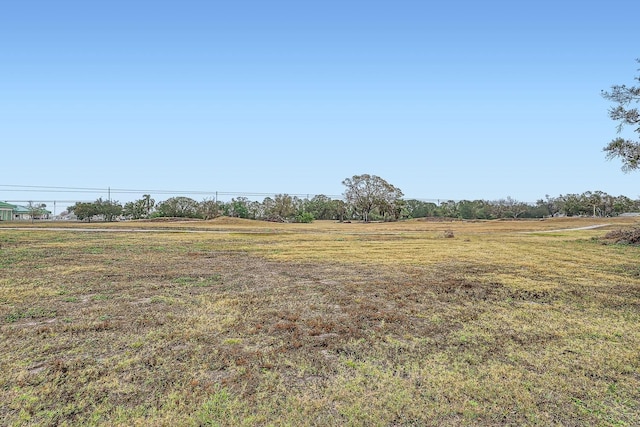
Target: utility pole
(109, 194)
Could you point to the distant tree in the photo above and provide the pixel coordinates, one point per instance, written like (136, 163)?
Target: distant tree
(515, 209)
(499, 209)
(36, 210)
(140, 208)
(84, 211)
(367, 192)
(607, 207)
(419, 209)
(468, 209)
(305, 217)
(549, 205)
(255, 209)
(449, 209)
(299, 205)
(623, 112)
(267, 208)
(239, 207)
(622, 204)
(575, 205)
(340, 208)
(595, 201)
(133, 210)
(109, 209)
(535, 211)
(320, 207)
(181, 207)
(208, 209)
(481, 209)
(284, 206)
(148, 204)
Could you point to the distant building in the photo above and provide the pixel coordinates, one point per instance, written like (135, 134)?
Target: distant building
(20, 212)
(6, 211)
(9, 212)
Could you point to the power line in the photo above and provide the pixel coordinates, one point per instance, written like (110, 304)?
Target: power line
(124, 191)
(93, 190)
(51, 187)
(48, 201)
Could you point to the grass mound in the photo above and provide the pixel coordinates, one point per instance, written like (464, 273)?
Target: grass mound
(227, 220)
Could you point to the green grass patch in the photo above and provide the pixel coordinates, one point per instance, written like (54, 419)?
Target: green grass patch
(198, 281)
(30, 313)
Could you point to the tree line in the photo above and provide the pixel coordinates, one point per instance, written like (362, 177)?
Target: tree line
(366, 198)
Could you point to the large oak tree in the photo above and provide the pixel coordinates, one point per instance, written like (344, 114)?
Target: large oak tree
(625, 111)
(368, 192)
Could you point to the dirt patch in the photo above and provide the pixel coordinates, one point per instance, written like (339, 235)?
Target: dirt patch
(587, 227)
(169, 219)
(225, 220)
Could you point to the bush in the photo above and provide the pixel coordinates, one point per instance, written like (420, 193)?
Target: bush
(305, 217)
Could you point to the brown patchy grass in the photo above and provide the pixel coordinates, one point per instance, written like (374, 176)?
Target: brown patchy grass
(252, 323)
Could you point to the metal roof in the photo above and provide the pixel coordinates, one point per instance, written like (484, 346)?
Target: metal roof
(22, 209)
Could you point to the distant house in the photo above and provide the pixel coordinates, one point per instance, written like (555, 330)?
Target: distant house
(9, 212)
(42, 213)
(20, 212)
(6, 211)
(25, 212)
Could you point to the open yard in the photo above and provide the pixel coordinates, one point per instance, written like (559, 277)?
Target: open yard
(244, 323)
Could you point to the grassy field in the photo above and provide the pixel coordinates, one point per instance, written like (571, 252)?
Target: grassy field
(244, 323)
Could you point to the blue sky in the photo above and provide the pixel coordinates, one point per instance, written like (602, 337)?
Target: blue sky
(445, 100)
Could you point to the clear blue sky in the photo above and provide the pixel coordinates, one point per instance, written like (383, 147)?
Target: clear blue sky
(446, 100)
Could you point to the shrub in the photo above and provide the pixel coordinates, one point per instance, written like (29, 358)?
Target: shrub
(305, 217)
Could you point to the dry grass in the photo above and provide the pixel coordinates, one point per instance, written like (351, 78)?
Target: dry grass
(252, 323)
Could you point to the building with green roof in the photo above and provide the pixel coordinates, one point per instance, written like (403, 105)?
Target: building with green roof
(6, 211)
(9, 212)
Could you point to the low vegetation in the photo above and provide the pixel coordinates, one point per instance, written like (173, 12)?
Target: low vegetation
(235, 322)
